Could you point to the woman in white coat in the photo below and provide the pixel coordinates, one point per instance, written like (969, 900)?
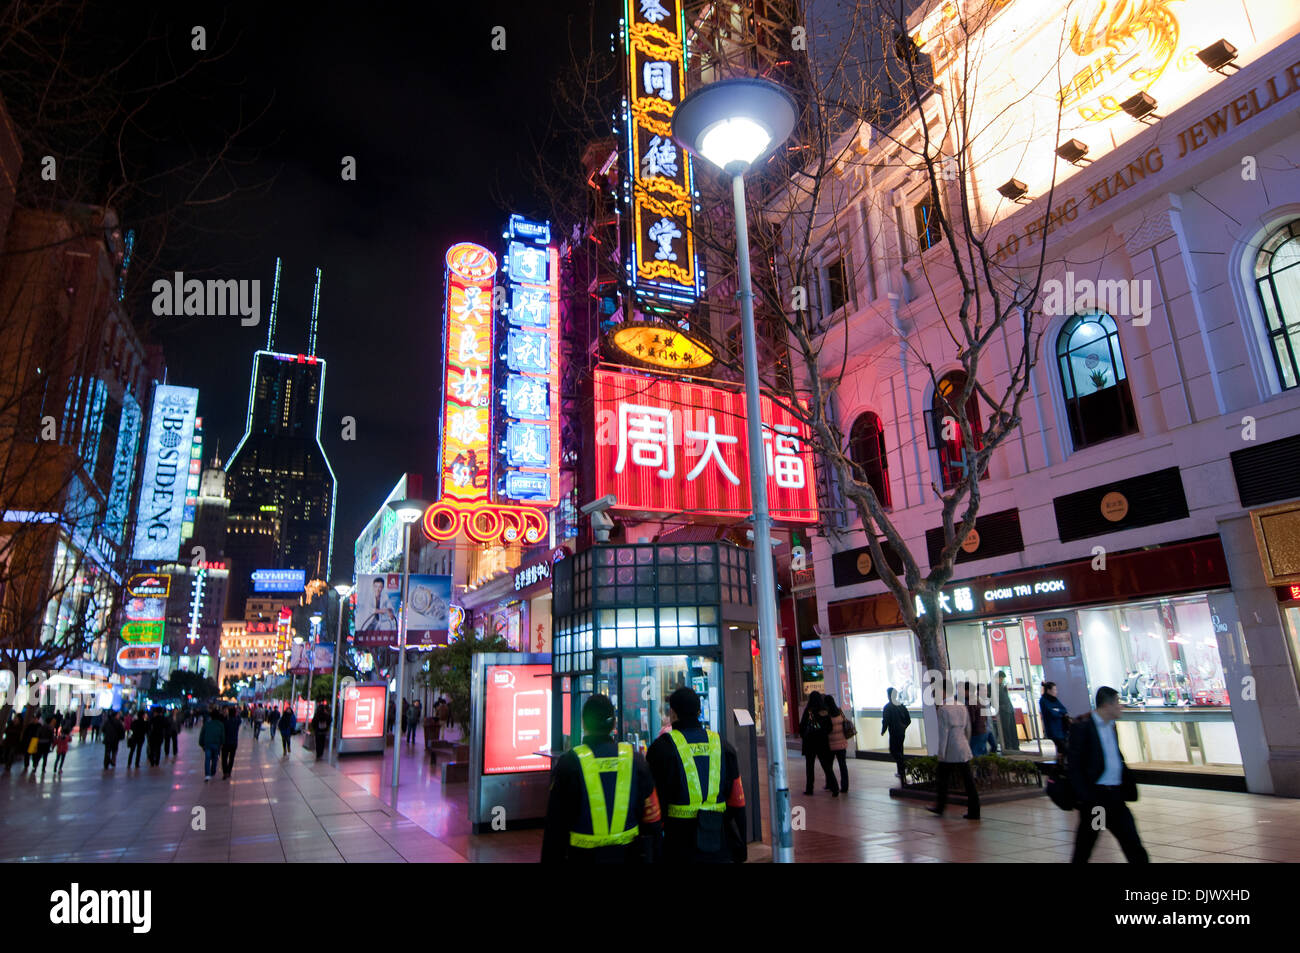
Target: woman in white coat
(954, 751)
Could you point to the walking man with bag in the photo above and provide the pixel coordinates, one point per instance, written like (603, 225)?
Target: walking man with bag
(1103, 785)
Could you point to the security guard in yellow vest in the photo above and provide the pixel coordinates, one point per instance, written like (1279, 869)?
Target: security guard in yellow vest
(603, 807)
(697, 775)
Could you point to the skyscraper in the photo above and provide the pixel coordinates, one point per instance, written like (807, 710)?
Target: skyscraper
(280, 483)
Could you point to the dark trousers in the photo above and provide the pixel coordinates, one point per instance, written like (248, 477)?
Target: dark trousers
(42, 755)
(946, 768)
(155, 752)
(133, 753)
(824, 756)
(842, 758)
(59, 758)
(286, 737)
(9, 752)
(410, 733)
(110, 755)
(227, 759)
(170, 745)
(900, 761)
(1117, 819)
(321, 738)
(211, 755)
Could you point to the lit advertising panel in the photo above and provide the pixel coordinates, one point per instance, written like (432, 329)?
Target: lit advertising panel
(307, 657)
(658, 171)
(139, 657)
(166, 472)
(667, 446)
(363, 711)
(527, 425)
(279, 580)
(119, 494)
(144, 609)
(467, 353)
(517, 718)
(303, 710)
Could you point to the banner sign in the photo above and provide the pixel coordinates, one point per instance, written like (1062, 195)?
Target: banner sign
(656, 170)
(307, 657)
(119, 495)
(664, 446)
(467, 391)
(166, 473)
(279, 580)
(379, 606)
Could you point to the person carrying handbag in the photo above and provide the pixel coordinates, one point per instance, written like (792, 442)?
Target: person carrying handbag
(814, 731)
(1101, 782)
(842, 729)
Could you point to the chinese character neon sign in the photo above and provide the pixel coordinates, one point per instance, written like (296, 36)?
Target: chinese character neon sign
(467, 344)
(658, 171)
(665, 446)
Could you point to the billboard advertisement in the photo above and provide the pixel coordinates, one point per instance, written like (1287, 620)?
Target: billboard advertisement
(166, 473)
(381, 541)
(665, 446)
(517, 719)
(139, 657)
(119, 494)
(306, 657)
(143, 611)
(279, 580)
(363, 711)
(379, 604)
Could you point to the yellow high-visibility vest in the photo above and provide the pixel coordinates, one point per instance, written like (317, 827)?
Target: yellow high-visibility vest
(607, 830)
(688, 752)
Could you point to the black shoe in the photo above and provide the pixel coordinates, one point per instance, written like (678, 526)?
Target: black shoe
(935, 811)
(971, 817)
(809, 791)
(835, 794)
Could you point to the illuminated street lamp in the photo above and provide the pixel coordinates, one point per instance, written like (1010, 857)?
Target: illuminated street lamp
(732, 124)
(344, 590)
(408, 513)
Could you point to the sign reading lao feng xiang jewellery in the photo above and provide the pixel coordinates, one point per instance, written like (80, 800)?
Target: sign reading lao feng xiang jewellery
(166, 471)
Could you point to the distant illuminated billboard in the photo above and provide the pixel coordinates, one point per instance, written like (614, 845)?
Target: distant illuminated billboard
(279, 580)
(143, 611)
(128, 444)
(166, 473)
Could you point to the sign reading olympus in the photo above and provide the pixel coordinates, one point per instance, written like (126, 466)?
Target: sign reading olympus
(166, 469)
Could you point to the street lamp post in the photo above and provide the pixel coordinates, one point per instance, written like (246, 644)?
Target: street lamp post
(732, 124)
(408, 512)
(344, 590)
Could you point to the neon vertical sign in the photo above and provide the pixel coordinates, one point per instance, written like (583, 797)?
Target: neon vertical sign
(528, 399)
(467, 389)
(658, 171)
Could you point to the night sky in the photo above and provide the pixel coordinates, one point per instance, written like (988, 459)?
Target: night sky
(442, 128)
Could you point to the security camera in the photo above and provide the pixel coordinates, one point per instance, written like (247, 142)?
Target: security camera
(600, 505)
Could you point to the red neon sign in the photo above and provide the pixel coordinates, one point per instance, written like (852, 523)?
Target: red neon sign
(664, 446)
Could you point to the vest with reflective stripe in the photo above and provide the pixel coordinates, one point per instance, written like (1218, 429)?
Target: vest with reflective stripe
(592, 769)
(687, 752)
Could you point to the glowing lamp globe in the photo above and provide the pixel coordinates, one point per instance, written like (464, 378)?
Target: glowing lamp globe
(734, 123)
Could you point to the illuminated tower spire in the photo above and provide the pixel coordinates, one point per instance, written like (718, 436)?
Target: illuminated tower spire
(315, 307)
(275, 300)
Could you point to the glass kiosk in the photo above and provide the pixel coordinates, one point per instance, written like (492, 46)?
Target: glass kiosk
(636, 622)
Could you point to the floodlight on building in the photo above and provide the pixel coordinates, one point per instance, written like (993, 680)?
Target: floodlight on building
(1014, 190)
(1141, 106)
(1073, 151)
(1219, 56)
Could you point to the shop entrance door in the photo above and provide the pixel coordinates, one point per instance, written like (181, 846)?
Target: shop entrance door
(1015, 649)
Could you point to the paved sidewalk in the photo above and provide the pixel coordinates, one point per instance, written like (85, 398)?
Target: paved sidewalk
(277, 809)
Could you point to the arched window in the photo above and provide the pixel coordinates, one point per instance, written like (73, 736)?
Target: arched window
(948, 440)
(1277, 277)
(1098, 401)
(867, 450)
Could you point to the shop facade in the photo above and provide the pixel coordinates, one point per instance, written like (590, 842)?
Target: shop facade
(1158, 624)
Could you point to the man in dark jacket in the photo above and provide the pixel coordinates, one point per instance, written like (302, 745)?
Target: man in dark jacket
(701, 824)
(111, 732)
(157, 735)
(613, 776)
(320, 728)
(288, 721)
(1102, 781)
(895, 719)
(231, 743)
(135, 744)
(1056, 720)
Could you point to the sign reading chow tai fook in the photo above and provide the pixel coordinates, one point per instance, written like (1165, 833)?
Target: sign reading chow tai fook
(668, 446)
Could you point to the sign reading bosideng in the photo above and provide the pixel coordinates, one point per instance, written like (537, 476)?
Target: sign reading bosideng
(664, 446)
(166, 470)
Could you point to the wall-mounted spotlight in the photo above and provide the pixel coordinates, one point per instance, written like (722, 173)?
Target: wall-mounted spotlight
(1141, 107)
(1219, 56)
(1073, 151)
(1014, 190)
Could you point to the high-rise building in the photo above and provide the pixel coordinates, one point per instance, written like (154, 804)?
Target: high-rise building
(281, 487)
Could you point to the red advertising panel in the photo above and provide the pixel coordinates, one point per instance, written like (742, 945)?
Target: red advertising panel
(665, 446)
(1032, 645)
(303, 711)
(363, 711)
(517, 718)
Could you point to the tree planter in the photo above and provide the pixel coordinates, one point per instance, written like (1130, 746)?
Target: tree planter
(996, 779)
